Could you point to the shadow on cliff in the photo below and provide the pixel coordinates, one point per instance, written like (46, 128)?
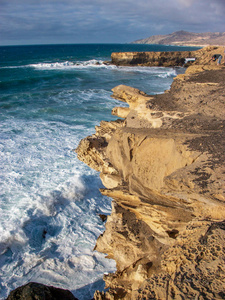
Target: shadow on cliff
(87, 291)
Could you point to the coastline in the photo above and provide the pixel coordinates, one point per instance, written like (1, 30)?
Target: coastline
(162, 163)
(202, 57)
(163, 166)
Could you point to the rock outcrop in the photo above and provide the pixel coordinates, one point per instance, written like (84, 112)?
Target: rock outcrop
(168, 59)
(38, 291)
(164, 167)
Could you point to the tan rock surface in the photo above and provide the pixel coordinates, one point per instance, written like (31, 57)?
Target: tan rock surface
(167, 59)
(164, 166)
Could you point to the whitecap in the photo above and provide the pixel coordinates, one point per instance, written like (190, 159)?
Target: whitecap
(68, 65)
(168, 73)
(162, 72)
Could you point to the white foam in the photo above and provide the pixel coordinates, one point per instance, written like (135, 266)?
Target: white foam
(168, 73)
(67, 65)
(54, 241)
(50, 202)
(162, 72)
(48, 220)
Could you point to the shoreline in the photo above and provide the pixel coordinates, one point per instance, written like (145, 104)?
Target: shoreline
(202, 57)
(162, 165)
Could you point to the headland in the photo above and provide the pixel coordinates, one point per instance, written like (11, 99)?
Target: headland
(163, 164)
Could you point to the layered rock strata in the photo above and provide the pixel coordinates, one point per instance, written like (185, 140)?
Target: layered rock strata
(164, 167)
(167, 59)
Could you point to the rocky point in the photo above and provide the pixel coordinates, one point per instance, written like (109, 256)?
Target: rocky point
(163, 165)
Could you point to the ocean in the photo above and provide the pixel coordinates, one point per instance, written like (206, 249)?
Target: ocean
(52, 96)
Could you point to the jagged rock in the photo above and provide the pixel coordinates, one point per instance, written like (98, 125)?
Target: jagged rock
(91, 149)
(130, 95)
(157, 59)
(110, 181)
(193, 268)
(168, 59)
(38, 291)
(121, 112)
(146, 158)
(103, 217)
(166, 171)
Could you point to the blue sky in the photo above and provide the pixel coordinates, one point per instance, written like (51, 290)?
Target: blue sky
(104, 21)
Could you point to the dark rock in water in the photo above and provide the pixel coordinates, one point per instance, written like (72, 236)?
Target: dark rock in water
(44, 233)
(38, 291)
(103, 217)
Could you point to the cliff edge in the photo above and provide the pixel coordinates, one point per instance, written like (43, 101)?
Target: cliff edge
(164, 166)
(200, 58)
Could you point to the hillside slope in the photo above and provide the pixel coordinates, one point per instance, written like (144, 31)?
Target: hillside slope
(186, 38)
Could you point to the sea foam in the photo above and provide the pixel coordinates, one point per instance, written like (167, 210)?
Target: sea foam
(67, 65)
(49, 230)
(52, 98)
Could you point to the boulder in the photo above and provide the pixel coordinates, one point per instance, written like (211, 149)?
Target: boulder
(38, 291)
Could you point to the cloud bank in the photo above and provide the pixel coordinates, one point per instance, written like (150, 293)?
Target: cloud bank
(104, 21)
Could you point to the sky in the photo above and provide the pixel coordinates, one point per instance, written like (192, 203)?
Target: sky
(26, 22)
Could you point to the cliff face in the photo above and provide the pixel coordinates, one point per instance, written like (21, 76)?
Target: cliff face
(163, 165)
(167, 59)
(186, 38)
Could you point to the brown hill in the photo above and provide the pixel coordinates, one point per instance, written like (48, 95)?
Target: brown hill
(185, 38)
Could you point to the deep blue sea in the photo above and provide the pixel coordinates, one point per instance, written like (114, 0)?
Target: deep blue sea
(51, 97)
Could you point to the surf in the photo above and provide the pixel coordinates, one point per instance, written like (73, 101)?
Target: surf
(52, 97)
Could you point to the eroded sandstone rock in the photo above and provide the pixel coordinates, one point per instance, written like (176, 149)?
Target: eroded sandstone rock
(164, 166)
(169, 59)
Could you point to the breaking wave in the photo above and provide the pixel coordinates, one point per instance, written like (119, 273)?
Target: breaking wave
(93, 63)
(49, 210)
(161, 72)
(50, 201)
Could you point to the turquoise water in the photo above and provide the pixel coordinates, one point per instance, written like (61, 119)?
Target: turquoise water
(50, 98)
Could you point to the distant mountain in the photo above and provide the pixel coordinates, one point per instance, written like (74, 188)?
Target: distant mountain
(185, 38)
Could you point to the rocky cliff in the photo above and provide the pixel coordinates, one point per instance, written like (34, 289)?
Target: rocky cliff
(186, 38)
(168, 59)
(163, 165)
